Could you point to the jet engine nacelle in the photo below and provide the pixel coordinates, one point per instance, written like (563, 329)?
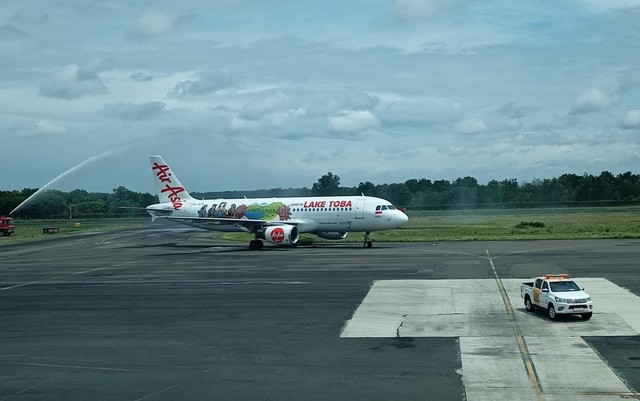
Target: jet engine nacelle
(282, 235)
(332, 234)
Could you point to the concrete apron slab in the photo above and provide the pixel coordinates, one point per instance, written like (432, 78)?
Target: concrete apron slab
(505, 355)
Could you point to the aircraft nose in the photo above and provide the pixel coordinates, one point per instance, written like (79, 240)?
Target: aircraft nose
(402, 217)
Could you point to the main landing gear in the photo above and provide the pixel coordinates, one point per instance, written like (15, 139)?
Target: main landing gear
(367, 241)
(255, 244)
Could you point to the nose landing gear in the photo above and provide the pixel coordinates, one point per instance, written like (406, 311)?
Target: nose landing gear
(367, 241)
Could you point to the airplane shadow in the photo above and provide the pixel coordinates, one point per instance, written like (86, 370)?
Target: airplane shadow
(215, 247)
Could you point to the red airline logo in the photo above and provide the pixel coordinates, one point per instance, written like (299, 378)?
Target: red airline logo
(174, 195)
(277, 235)
(163, 172)
(164, 175)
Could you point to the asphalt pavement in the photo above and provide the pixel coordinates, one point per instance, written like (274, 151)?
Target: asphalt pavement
(164, 314)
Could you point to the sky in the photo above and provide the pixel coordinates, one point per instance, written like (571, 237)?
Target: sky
(261, 94)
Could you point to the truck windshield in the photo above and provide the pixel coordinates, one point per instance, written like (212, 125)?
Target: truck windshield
(564, 286)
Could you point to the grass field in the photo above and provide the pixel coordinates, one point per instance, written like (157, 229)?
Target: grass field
(465, 225)
(28, 230)
(512, 224)
(520, 225)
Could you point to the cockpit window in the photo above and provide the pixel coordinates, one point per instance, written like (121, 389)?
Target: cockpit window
(391, 207)
(384, 207)
(378, 207)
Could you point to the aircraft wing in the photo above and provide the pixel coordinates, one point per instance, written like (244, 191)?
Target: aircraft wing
(249, 224)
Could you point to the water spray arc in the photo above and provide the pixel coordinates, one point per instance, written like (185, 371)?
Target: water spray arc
(64, 174)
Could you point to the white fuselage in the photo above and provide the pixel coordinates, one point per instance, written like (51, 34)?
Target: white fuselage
(279, 221)
(309, 214)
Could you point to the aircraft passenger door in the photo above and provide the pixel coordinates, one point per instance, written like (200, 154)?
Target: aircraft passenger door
(360, 208)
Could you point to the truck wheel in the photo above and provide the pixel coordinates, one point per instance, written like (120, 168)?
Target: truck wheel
(527, 304)
(552, 312)
(587, 316)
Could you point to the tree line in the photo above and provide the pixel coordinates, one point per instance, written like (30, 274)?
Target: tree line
(77, 203)
(605, 189)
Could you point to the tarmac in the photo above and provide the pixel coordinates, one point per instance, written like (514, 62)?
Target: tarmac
(160, 313)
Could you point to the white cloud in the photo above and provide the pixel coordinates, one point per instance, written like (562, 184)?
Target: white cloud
(604, 6)
(592, 100)
(419, 9)
(71, 83)
(262, 106)
(46, 126)
(457, 80)
(135, 112)
(267, 121)
(208, 81)
(631, 120)
(471, 126)
(152, 23)
(353, 121)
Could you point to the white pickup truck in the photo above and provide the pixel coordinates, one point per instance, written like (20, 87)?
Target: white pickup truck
(558, 294)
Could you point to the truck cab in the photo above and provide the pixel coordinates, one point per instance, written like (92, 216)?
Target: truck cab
(558, 294)
(6, 226)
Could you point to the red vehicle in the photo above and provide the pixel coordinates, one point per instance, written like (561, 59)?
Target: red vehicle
(6, 226)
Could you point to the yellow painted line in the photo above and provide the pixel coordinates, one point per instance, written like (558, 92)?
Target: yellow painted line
(522, 344)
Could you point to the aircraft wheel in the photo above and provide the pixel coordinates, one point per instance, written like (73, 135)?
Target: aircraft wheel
(255, 244)
(368, 244)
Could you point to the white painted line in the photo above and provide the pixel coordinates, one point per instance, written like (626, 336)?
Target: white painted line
(29, 283)
(48, 365)
(70, 274)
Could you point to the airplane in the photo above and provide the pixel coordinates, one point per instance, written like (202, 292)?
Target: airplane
(279, 221)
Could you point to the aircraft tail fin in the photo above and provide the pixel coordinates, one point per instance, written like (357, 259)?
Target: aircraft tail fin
(168, 186)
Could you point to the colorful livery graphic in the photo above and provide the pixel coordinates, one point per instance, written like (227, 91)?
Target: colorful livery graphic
(278, 221)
